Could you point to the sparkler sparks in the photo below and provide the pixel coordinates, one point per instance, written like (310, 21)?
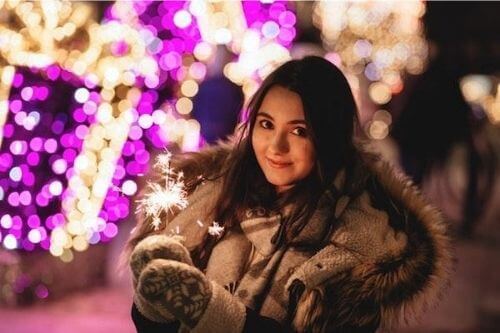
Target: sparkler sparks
(164, 198)
(215, 229)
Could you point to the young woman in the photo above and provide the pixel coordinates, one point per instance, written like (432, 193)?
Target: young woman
(319, 236)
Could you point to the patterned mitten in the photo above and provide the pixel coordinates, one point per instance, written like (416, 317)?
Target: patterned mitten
(182, 290)
(154, 247)
(157, 247)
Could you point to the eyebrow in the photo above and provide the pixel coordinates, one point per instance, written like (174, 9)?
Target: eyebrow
(295, 121)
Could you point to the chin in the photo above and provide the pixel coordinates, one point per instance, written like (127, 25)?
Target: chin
(278, 182)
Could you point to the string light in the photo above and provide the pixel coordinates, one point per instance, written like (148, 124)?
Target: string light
(99, 66)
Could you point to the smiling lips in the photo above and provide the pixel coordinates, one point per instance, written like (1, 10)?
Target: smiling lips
(277, 164)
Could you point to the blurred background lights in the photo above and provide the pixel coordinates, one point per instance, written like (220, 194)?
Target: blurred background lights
(184, 105)
(145, 121)
(80, 243)
(270, 29)
(82, 95)
(189, 88)
(475, 87)
(86, 104)
(50, 145)
(110, 230)
(380, 93)
(222, 36)
(383, 115)
(159, 117)
(34, 236)
(56, 188)
(203, 51)
(378, 129)
(25, 198)
(6, 221)
(251, 41)
(41, 291)
(484, 91)
(66, 255)
(10, 242)
(197, 70)
(16, 174)
(18, 147)
(182, 19)
(129, 187)
(27, 93)
(375, 41)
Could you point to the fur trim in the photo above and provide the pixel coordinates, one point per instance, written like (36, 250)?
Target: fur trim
(393, 290)
(310, 312)
(336, 307)
(407, 286)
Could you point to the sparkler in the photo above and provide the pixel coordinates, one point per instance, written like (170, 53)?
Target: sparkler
(167, 197)
(215, 229)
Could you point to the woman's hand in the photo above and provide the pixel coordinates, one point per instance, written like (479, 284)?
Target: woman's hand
(175, 288)
(157, 247)
(151, 248)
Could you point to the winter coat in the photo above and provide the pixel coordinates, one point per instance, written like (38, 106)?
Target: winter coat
(385, 259)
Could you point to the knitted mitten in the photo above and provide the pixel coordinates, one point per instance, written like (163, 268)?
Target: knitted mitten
(157, 247)
(182, 290)
(154, 247)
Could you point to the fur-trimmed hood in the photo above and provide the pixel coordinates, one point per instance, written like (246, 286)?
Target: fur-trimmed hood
(388, 259)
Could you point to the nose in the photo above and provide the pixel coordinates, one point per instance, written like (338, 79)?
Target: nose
(279, 143)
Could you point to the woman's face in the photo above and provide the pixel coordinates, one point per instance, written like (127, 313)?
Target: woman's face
(281, 140)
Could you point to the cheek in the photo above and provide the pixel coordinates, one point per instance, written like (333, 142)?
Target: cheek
(305, 152)
(254, 141)
(258, 142)
(308, 156)
(256, 148)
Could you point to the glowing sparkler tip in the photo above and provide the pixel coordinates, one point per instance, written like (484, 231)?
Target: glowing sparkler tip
(163, 160)
(156, 223)
(215, 229)
(164, 198)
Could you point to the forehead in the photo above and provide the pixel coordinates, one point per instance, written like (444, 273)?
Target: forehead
(282, 103)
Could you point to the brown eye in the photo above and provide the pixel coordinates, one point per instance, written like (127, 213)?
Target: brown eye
(266, 124)
(300, 131)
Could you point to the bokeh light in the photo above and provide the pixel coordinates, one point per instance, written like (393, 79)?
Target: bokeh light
(380, 41)
(83, 110)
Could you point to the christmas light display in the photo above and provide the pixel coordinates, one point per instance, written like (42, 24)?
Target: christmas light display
(86, 103)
